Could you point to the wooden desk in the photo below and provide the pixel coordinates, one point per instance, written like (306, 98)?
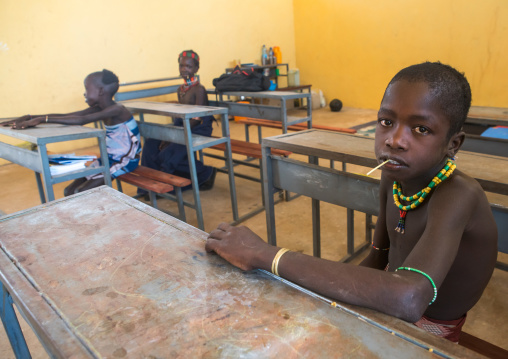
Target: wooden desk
(184, 136)
(101, 275)
(38, 162)
(275, 113)
(491, 116)
(355, 192)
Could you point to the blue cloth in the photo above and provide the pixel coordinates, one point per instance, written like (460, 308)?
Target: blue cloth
(123, 147)
(173, 158)
(496, 132)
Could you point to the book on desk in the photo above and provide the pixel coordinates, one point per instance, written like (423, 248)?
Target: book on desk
(64, 163)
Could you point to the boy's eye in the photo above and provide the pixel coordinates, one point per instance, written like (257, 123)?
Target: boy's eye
(384, 122)
(421, 130)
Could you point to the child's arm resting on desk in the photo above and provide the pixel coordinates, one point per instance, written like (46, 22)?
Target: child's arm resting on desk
(403, 294)
(91, 114)
(26, 118)
(376, 289)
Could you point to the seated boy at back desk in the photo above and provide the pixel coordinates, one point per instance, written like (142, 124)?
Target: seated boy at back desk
(433, 252)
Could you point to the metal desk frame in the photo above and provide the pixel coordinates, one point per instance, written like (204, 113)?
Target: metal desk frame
(355, 192)
(38, 161)
(57, 325)
(266, 112)
(184, 136)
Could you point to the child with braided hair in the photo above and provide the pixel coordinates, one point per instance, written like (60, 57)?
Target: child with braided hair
(434, 252)
(172, 157)
(122, 133)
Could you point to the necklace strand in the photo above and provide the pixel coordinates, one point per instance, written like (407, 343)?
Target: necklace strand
(417, 199)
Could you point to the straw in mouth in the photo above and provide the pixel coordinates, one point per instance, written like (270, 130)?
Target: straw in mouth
(375, 168)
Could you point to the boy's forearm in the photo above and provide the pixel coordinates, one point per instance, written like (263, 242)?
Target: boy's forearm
(355, 285)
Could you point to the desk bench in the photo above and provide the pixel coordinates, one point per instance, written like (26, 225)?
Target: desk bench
(358, 192)
(297, 127)
(143, 286)
(252, 151)
(184, 136)
(156, 182)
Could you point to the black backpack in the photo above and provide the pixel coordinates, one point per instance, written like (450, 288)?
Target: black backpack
(242, 80)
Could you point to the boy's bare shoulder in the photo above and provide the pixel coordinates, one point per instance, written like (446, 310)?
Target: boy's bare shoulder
(466, 184)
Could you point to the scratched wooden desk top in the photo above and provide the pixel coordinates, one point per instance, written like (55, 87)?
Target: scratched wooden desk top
(100, 274)
(496, 116)
(173, 109)
(490, 171)
(52, 132)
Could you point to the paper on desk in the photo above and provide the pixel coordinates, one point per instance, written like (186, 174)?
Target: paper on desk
(63, 163)
(69, 158)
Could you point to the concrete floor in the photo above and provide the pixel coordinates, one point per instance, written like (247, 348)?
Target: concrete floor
(487, 320)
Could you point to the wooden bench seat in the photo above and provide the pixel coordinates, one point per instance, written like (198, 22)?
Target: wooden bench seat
(156, 182)
(297, 127)
(249, 149)
(482, 347)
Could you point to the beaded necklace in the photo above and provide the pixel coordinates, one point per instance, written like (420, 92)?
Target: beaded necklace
(189, 83)
(417, 199)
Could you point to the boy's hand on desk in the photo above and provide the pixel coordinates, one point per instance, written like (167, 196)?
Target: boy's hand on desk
(240, 247)
(21, 124)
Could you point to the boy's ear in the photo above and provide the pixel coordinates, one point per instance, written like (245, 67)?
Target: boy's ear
(455, 143)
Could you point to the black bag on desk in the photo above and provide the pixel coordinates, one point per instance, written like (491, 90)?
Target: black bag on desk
(242, 80)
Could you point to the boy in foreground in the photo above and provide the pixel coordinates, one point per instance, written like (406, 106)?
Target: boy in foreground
(435, 242)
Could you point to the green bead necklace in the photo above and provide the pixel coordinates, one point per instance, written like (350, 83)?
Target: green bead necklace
(417, 199)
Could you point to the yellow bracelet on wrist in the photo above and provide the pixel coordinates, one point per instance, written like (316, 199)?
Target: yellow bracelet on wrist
(276, 259)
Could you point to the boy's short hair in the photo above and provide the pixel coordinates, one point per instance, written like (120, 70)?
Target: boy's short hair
(189, 53)
(449, 87)
(107, 79)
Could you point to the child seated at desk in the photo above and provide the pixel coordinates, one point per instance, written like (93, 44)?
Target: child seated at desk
(122, 133)
(172, 157)
(434, 252)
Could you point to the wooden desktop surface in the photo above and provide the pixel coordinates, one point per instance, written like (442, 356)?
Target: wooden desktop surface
(99, 274)
(490, 171)
(493, 116)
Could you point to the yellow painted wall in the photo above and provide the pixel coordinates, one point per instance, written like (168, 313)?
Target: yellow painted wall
(351, 48)
(50, 46)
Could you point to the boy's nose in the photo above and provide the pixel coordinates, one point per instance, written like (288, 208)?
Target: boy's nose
(397, 139)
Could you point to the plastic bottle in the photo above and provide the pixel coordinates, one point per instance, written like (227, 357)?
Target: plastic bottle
(277, 54)
(264, 56)
(271, 58)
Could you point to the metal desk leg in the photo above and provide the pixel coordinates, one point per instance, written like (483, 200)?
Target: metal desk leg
(267, 173)
(193, 173)
(40, 187)
(350, 232)
(229, 165)
(316, 228)
(316, 219)
(46, 174)
(247, 135)
(284, 119)
(11, 325)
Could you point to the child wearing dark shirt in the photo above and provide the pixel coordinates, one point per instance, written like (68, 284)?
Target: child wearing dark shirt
(172, 157)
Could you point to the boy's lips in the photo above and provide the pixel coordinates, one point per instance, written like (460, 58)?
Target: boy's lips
(393, 161)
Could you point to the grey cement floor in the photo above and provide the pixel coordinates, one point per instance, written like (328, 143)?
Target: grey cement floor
(488, 319)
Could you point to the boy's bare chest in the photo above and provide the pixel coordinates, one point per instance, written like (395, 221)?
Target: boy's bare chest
(401, 244)
(187, 97)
